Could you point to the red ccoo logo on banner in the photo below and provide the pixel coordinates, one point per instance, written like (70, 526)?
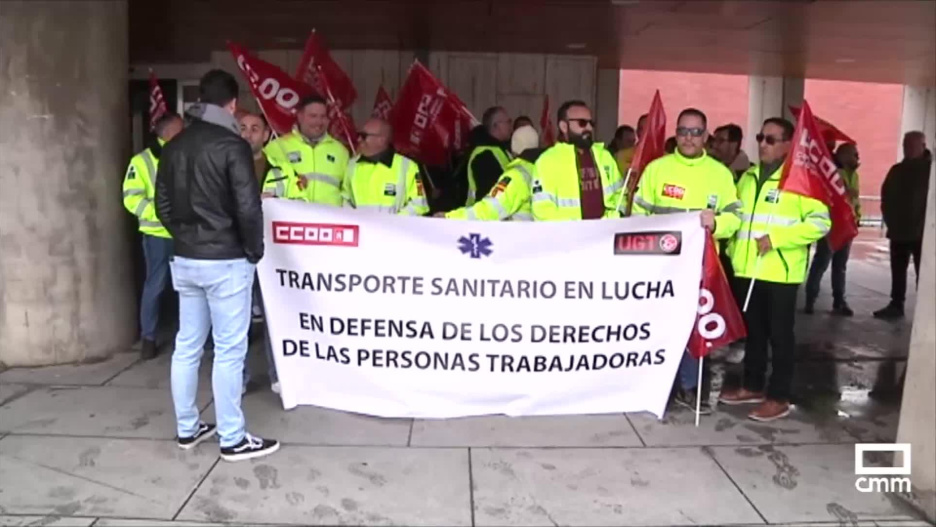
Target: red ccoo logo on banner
(293, 233)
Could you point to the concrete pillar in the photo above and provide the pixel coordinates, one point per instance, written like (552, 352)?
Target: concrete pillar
(607, 103)
(919, 113)
(918, 408)
(769, 97)
(67, 285)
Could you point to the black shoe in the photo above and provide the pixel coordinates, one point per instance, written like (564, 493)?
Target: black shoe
(204, 432)
(687, 399)
(809, 309)
(841, 309)
(149, 350)
(892, 311)
(249, 448)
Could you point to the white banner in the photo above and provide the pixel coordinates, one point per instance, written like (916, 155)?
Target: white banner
(432, 318)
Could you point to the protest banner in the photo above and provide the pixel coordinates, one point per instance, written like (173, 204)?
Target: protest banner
(416, 317)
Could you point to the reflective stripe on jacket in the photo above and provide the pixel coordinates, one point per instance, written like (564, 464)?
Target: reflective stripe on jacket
(283, 182)
(396, 189)
(499, 154)
(674, 183)
(323, 165)
(556, 190)
(139, 191)
(792, 222)
(509, 200)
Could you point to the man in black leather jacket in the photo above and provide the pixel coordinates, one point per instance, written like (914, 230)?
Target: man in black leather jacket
(208, 198)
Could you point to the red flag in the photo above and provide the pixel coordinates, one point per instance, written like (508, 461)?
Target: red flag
(650, 146)
(317, 66)
(276, 92)
(340, 125)
(828, 130)
(429, 122)
(382, 105)
(719, 321)
(157, 103)
(809, 171)
(546, 125)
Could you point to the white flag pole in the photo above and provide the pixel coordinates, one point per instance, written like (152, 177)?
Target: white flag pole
(630, 170)
(757, 266)
(698, 399)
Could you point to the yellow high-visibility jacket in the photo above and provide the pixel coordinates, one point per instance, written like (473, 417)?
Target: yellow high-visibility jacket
(139, 191)
(322, 165)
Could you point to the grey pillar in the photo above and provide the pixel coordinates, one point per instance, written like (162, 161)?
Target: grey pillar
(66, 284)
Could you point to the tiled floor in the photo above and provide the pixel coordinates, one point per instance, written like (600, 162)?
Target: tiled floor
(92, 445)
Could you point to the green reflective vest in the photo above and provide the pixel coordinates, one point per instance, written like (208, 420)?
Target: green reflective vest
(853, 185)
(396, 189)
(502, 158)
(322, 165)
(139, 191)
(792, 222)
(282, 182)
(556, 194)
(508, 200)
(674, 183)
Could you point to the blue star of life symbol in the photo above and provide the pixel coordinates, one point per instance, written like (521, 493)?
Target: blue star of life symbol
(475, 245)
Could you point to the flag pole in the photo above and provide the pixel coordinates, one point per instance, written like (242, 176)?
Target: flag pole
(698, 399)
(757, 266)
(627, 178)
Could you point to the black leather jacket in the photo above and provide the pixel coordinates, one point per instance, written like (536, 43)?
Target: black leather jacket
(207, 195)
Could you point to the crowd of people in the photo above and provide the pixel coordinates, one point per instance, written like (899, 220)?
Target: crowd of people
(197, 195)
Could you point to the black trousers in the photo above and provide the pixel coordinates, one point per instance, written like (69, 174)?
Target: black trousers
(900, 254)
(770, 318)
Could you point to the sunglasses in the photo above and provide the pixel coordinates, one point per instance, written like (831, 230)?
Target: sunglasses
(694, 132)
(364, 135)
(769, 139)
(582, 122)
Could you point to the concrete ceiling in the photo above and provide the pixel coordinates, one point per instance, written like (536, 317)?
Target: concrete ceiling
(864, 40)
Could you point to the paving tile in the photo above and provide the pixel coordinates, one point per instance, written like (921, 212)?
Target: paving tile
(94, 411)
(9, 391)
(71, 374)
(310, 425)
(51, 520)
(597, 487)
(155, 373)
(730, 426)
(98, 477)
(339, 486)
(546, 431)
(901, 523)
(806, 483)
(123, 522)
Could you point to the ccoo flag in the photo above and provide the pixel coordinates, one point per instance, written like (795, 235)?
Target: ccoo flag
(809, 171)
(157, 102)
(382, 105)
(649, 147)
(719, 321)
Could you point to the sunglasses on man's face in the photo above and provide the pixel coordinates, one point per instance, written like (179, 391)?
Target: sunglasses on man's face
(364, 135)
(769, 139)
(694, 132)
(584, 123)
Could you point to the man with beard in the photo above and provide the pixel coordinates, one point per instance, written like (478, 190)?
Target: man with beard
(576, 179)
(690, 180)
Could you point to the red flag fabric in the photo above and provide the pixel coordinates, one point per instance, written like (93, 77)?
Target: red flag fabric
(341, 125)
(276, 92)
(382, 105)
(649, 147)
(158, 106)
(827, 130)
(548, 137)
(809, 171)
(719, 321)
(317, 65)
(429, 122)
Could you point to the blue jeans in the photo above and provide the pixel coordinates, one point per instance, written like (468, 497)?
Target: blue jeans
(213, 295)
(821, 260)
(156, 253)
(688, 372)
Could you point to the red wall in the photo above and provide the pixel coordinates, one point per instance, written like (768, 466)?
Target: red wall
(869, 113)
